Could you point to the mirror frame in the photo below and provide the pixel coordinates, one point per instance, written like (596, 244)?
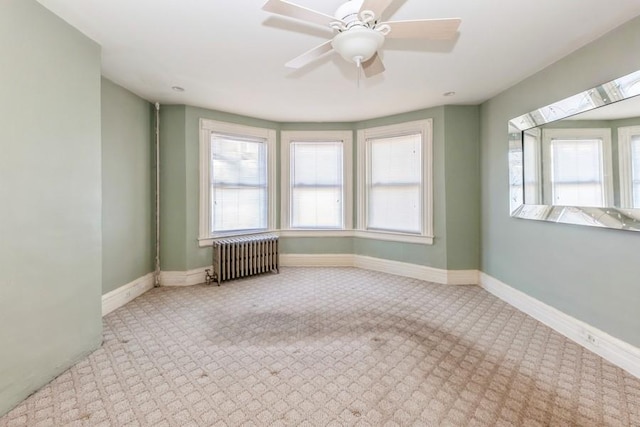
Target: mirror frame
(599, 96)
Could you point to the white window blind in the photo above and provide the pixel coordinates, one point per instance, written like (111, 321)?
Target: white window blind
(238, 183)
(316, 185)
(531, 152)
(395, 184)
(635, 169)
(577, 175)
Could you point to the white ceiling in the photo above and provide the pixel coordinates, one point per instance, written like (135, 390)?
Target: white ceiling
(625, 109)
(229, 55)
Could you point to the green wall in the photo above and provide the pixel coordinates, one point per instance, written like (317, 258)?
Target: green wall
(456, 190)
(173, 189)
(462, 186)
(128, 226)
(589, 273)
(50, 193)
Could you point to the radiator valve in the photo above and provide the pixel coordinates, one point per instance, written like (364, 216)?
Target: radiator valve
(209, 277)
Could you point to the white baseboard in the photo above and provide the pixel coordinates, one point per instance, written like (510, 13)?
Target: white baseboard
(122, 295)
(183, 278)
(463, 277)
(173, 278)
(420, 272)
(429, 274)
(316, 260)
(614, 350)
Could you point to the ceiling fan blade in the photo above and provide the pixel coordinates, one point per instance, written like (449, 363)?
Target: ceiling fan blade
(373, 66)
(376, 6)
(310, 56)
(282, 7)
(433, 29)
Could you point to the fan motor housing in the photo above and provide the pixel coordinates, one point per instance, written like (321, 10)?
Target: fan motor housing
(348, 12)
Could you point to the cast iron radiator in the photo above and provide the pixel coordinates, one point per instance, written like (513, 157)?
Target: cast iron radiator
(238, 257)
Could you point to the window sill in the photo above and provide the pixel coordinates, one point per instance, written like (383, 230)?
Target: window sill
(208, 241)
(316, 233)
(394, 237)
(363, 234)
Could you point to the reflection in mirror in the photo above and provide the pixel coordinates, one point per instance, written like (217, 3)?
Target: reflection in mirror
(629, 150)
(577, 161)
(568, 167)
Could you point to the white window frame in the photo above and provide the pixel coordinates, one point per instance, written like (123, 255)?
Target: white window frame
(207, 127)
(532, 165)
(286, 139)
(425, 128)
(603, 134)
(625, 134)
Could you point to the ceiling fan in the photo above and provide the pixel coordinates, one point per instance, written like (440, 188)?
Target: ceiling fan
(360, 32)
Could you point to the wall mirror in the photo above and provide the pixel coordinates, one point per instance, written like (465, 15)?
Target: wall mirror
(577, 161)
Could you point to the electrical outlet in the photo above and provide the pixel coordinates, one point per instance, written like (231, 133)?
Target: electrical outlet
(592, 339)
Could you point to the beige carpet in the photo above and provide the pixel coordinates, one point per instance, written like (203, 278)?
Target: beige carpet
(331, 347)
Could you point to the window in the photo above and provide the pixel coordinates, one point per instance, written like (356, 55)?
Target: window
(629, 157)
(577, 167)
(516, 168)
(635, 170)
(238, 184)
(395, 191)
(531, 152)
(316, 180)
(236, 180)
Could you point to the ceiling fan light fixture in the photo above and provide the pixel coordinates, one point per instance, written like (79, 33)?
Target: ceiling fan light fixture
(360, 32)
(358, 44)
